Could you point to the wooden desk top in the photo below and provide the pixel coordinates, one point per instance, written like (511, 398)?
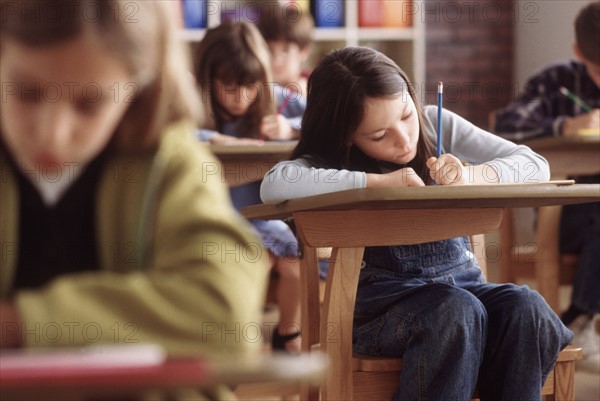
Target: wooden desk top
(242, 164)
(433, 197)
(268, 151)
(569, 156)
(124, 382)
(580, 142)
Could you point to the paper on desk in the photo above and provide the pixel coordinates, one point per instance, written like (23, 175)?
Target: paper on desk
(589, 132)
(93, 356)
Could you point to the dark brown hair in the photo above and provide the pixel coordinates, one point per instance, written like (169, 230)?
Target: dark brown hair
(235, 53)
(337, 90)
(288, 23)
(587, 32)
(140, 33)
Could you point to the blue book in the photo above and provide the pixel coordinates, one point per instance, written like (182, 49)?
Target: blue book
(328, 13)
(194, 13)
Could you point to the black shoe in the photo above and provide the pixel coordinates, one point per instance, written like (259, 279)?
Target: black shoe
(571, 314)
(278, 340)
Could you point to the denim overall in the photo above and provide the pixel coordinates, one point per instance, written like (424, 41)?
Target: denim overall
(430, 304)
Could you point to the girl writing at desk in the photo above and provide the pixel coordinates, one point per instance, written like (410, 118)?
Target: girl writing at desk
(428, 303)
(244, 106)
(129, 239)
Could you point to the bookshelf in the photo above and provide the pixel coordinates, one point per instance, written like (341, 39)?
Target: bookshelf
(404, 45)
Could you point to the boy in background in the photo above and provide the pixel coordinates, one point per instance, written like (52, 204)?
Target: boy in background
(544, 110)
(288, 32)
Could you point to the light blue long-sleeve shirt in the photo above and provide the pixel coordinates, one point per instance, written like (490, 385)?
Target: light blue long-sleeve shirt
(513, 163)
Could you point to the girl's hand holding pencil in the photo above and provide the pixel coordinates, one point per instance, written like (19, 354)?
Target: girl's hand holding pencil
(444, 169)
(447, 170)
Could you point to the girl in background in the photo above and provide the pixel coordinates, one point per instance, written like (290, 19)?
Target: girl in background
(427, 303)
(243, 105)
(242, 102)
(109, 224)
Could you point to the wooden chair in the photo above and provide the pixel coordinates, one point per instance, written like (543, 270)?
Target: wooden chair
(373, 378)
(539, 260)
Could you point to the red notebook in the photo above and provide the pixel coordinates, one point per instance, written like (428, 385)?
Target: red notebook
(97, 366)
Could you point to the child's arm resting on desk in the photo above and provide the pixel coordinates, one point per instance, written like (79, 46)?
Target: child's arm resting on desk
(200, 288)
(297, 179)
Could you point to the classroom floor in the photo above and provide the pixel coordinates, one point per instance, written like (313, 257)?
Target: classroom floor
(587, 386)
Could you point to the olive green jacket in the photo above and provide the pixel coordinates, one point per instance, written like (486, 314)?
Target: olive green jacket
(179, 266)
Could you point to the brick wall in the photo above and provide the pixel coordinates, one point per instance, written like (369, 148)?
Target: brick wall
(470, 49)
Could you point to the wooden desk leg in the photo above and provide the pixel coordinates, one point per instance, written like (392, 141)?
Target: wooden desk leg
(547, 266)
(507, 242)
(336, 326)
(310, 310)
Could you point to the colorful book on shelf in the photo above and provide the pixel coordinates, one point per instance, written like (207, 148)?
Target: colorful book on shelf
(194, 13)
(302, 5)
(328, 13)
(385, 13)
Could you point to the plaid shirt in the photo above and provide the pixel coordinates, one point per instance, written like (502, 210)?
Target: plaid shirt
(541, 109)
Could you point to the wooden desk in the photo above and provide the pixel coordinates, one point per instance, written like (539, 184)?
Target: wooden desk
(242, 164)
(171, 377)
(350, 220)
(567, 156)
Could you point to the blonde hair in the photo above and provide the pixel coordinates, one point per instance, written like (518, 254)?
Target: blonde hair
(234, 53)
(140, 33)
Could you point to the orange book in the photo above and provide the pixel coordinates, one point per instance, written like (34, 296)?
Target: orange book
(397, 13)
